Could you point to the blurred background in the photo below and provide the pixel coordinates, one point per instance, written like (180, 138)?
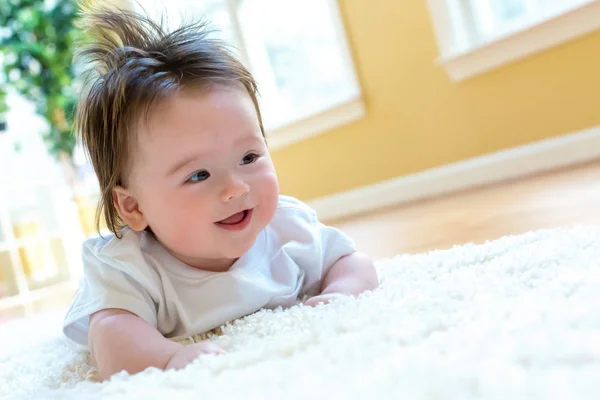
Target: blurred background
(353, 93)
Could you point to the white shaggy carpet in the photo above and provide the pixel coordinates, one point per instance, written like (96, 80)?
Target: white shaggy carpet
(517, 318)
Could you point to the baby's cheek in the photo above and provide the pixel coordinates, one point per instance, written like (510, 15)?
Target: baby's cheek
(184, 226)
(269, 198)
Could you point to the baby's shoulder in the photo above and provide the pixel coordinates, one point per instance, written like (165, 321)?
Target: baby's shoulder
(111, 250)
(290, 208)
(294, 221)
(107, 243)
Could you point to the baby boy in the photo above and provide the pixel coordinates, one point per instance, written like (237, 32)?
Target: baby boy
(200, 234)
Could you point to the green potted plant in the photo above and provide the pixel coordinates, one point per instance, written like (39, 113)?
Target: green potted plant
(38, 41)
(37, 44)
(3, 110)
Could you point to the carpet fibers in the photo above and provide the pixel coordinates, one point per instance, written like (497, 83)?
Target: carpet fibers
(515, 318)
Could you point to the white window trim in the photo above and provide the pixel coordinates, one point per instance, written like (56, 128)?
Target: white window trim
(463, 61)
(336, 116)
(315, 125)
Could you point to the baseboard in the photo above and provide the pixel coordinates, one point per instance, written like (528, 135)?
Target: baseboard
(525, 160)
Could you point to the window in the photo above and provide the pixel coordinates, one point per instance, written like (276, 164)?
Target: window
(296, 50)
(475, 36)
(497, 18)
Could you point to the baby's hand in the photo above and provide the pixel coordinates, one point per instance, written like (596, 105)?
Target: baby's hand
(189, 353)
(322, 298)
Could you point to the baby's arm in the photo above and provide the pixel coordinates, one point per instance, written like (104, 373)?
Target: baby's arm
(350, 275)
(120, 340)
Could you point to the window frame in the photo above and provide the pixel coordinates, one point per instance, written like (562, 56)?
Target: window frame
(321, 121)
(464, 55)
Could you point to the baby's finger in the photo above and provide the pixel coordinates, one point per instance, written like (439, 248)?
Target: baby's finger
(210, 348)
(323, 298)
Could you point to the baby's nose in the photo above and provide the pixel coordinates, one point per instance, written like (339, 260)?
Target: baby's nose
(234, 189)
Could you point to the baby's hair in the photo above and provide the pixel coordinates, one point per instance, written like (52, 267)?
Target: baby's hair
(133, 63)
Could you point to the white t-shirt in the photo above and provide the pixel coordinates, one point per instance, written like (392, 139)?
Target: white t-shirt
(136, 273)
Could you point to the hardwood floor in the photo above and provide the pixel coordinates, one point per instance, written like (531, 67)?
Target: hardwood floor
(556, 199)
(562, 198)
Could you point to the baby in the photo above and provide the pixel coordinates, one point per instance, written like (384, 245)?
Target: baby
(200, 235)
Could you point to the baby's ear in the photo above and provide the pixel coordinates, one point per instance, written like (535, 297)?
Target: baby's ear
(128, 209)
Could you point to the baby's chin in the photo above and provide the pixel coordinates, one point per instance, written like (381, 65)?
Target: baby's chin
(211, 260)
(214, 255)
(235, 253)
(207, 263)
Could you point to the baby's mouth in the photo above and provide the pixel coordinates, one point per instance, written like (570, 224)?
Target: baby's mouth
(236, 220)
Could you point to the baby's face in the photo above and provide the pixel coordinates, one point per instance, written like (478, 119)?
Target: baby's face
(203, 177)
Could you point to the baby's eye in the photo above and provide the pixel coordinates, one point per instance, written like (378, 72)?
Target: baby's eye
(199, 176)
(249, 158)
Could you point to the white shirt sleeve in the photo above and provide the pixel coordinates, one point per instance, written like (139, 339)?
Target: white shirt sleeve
(314, 246)
(110, 280)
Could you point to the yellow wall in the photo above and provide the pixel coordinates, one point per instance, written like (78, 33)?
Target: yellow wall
(418, 119)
